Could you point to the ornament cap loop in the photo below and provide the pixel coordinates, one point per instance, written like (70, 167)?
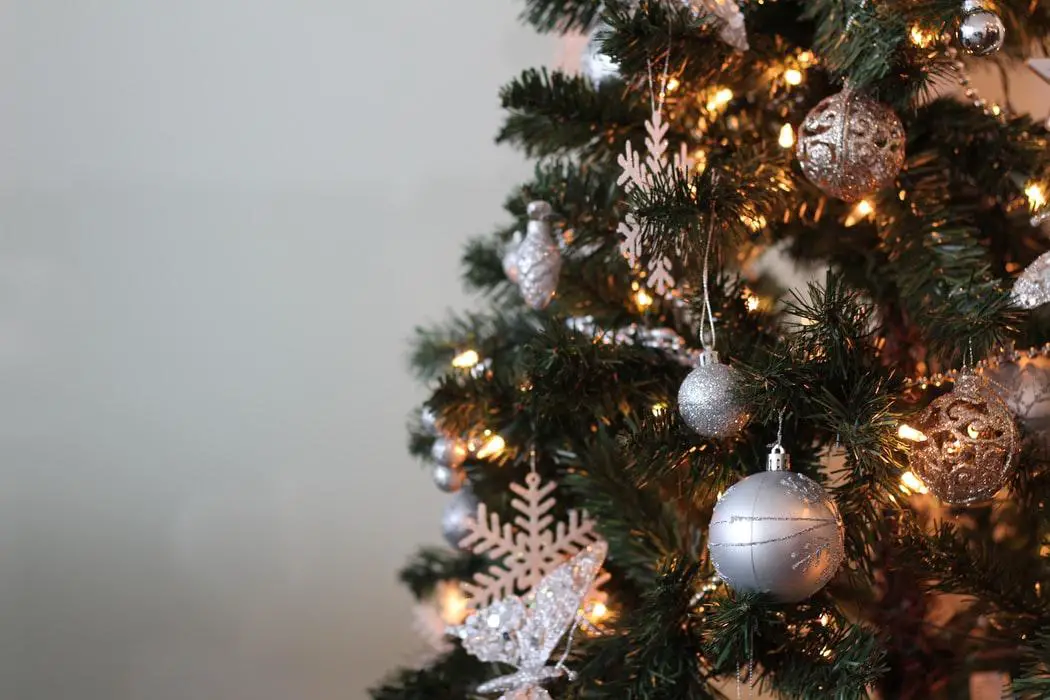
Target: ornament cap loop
(708, 358)
(779, 460)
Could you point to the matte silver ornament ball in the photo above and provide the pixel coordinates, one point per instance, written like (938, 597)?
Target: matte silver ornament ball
(460, 512)
(981, 31)
(597, 65)
(850, 146)
(448, 452)
(449, 479)
(777, 532)
(708, 401)
(538, 259)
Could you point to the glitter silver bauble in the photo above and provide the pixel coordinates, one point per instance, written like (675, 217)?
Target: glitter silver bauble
(510, 259)
(538, 259)
(428, 421)
(448, 452)
(707, 399)
(729, 17)
(459, 513)
(777, 532)
(594, 63)
(449, 479)
(965, 447)
(1032, 287)
(849, 145)
(1024, 384)
(981, 31)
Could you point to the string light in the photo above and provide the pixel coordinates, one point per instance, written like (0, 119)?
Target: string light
(863, 210)
(753, 302)
(806, 58)
(466, 359)
(922, 38)
(659, 408)
(672, 84)
(912, 484)
(793, 76)
(452, 603)
(1036, 196)
(719, 99)
(906, 432)
(755, 223)
(643, 299)
(787, 136)
(492, 447)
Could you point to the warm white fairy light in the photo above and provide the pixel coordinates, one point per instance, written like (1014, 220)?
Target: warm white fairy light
(719, 99)
(787, 136)
(452, 603)
(753, 302)
(660, 408)
(921, 37)
(906, 432)
(912, 484)
(466, 359)
(643, 299)
(1036, 196)
(863, 210)
(793, 76)
(492, 447)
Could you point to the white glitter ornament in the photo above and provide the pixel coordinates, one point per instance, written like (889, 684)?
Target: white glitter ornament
(523, 632)
(777, 532)
(1023, 382)
(707, 399)
(525, 553)
(849, 145)
(535, 265)
(1032, 287)
(730, 19)
(981, 31)
(595, 63)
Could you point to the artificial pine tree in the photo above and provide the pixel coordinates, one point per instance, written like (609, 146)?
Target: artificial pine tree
(635, 365)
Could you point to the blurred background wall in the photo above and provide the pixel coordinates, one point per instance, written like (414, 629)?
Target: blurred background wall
(219, 221)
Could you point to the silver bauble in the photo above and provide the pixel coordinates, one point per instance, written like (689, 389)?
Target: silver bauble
(981, 31)
(965, 447)
(428, 421)
(1024, 384)
(510, 259)
(594, 63)
(707, 399)
(460, 512)
(448, 452)
(449, 479)
(849, 145)
(777, 532)
(538, 259)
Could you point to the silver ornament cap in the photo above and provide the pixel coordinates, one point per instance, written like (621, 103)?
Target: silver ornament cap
(981, 31)
(538, 259)
(449, 479)
(777, 532)
(707, 399)
(448, 452)
(460, 512)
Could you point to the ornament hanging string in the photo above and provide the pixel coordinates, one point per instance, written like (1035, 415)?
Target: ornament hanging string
(709, 315)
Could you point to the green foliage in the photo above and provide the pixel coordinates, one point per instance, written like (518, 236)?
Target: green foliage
(910, 289)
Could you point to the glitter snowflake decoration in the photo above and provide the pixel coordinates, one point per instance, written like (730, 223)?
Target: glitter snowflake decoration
(528, 549)
(638, 174)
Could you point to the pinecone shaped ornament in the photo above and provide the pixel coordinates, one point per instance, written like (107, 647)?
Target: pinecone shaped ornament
(538, 260)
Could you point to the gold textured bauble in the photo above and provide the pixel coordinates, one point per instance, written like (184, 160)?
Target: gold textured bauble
(969, 442)
(849, 145)
(1024, 383)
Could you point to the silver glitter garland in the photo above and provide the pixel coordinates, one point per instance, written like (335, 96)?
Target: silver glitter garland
(777, 532)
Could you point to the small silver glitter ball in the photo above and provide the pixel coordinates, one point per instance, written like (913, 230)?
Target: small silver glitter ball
(849, 146)
(538, 259)
(459, 514)
(449, 479)
(707, 399)
(448, 452)
(594, 63)
(981, 31)
(777, 532)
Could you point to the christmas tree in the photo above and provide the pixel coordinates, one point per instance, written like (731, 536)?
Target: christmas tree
(673, 476)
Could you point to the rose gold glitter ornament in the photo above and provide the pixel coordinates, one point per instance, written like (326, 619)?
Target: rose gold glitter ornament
(849, 145)
(966, 445)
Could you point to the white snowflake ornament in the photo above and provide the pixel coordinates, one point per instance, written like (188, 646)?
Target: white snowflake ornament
(529, 549)
(640, 175)
(523, 632)
(730, 19)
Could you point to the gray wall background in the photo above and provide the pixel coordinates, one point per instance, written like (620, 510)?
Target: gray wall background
(219, 222)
